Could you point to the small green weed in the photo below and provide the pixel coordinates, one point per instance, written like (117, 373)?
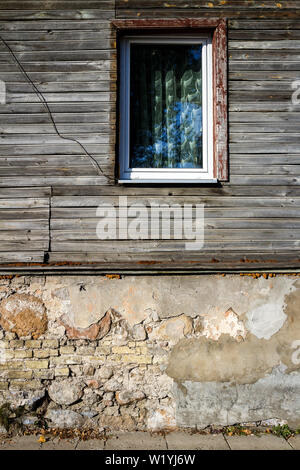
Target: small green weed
(283, 431)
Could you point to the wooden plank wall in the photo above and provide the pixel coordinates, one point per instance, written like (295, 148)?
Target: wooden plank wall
(49, 188)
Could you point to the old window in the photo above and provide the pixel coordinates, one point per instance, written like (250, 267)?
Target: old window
(169, 121)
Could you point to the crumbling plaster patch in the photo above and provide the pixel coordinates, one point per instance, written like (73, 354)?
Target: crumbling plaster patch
(172, 329)
(87, 299)
(24, 315)
(219, 322)
(264, 321)
(205, 360)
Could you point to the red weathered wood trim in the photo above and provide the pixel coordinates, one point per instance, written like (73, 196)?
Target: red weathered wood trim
(220, 101)
(220, 114)
(160, 23)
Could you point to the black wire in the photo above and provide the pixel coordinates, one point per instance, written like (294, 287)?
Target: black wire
(44, 102)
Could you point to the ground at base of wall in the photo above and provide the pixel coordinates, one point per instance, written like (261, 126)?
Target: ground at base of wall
(45, 433)
(177, 440)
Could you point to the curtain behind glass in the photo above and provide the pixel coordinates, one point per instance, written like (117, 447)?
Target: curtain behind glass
(165, 106)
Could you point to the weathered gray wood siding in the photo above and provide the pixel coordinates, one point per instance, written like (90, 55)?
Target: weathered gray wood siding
(49, 189)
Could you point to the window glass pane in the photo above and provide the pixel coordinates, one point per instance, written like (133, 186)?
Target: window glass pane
(165, 106)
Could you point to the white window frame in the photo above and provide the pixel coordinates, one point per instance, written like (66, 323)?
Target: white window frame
(160, 175)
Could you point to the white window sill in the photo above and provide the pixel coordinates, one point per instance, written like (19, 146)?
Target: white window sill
(168, 181)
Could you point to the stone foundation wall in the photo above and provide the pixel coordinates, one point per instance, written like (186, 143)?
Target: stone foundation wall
(151, 352)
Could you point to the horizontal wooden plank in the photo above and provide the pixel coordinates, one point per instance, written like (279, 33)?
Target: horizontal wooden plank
(266, 170)
(57, 55)
(277, 65)
(141, 246)
(268, 160)
(23, 245)
(57, 4)
(24, 236)
(262, 25)
(263, 128)
(257, 55)
(18, 38)
(68, 148)
(238, 97)
(208, 12)
(228, 212)
(210, 235)
(23, 213)
(289, 75)
(23, 202)
(60, 87)
(273, 180)
(61, 97)
(65, 107)
(76, 202)
(164, 262)
(89, 224)
(59, 118)
(161, 261)
(45, 77)
(227, 189)
(25, 224)
(259, 45)
(189, 259)
(66, 129)
(11, 139)
(47, 26)
(198, 4)
(261, 85)
(264, 137)
(264, 147)
(15, 192)
(72, 171)
(265, 118)
(275, 224)
(100, 44)
(263, 35)
(53, 180)
(53, 161)
(21, 257)
(78, 65)
(263, 106)
(82, 14)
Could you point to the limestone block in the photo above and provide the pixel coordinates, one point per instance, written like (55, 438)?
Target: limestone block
(125, 397)
(64, 418)
(172, 329)
(66, 392)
